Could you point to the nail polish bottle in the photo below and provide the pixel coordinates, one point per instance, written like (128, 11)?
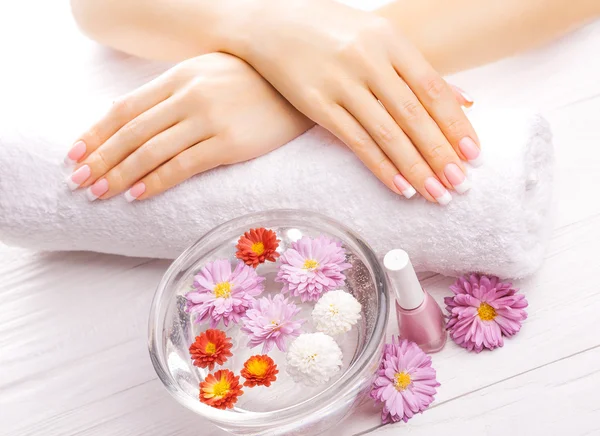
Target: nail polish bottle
(420, 319)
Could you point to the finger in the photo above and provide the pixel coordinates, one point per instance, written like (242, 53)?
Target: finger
(406, 110)
(201, 157)
(128, 139)
(123, 110)
(437, 97)
(462, 97)
(342, 124)
(397, 146)
(145, 159)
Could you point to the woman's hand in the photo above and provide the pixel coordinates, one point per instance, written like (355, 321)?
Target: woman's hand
(353, 73)
(207, 111)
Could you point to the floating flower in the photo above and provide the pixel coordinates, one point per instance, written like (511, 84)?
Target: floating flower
(211, 347)
(270, 321)
(336, 312)
(257, 246)
(220, 294)
(311, 267)
(405, 382)
(313, 359)
(221, 390)
(259, 371)
(482, 311)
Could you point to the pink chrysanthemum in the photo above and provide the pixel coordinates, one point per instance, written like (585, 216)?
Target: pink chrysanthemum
(220, 294)
(405, 382)
(270, 321)
(311, 267)
(482, 311)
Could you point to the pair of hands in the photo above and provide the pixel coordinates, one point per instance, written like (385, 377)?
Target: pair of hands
(350, 72)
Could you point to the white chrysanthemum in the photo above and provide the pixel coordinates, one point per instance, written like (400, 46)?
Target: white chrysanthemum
(313, 358)
(336, 312)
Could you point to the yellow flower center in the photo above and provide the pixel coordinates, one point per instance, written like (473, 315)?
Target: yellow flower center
(310, 264)
(210, 348)
(258, 367)
(333, 309)
(223, 290)
(258, 248)
(402, 380)
(221, 388)
(486, 312)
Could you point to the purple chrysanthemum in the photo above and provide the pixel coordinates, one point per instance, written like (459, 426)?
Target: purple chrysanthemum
(405, 382)
(311, 267)
(270, 321)
(482, 311)
(220, 294)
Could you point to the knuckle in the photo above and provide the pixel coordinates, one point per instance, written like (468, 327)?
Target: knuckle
(386, 133)
(413, 170)
(122, 108)
(435, 87)
(455, 127)
(437, 152)
(133, 130)
(361, 142)
(100, 162)
(411, 110)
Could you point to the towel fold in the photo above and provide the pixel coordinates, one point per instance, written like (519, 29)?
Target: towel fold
(500, 226)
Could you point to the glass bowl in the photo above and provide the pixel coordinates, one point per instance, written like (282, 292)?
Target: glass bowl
(285, 408)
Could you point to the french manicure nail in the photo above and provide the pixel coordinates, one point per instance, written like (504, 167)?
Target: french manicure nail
(437, 191)
(471, 151)
(135, 191)
(466, 96)
(98, 189)
(76, 153)
(78, 177)
(457, 178)
(403, 186)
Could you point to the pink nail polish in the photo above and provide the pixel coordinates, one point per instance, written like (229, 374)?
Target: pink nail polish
(78, 177)
(403, 186)
(98, 189)
(420, 318)
(135, 191)
(457, 178)
(76, 153)
(471, 151)
(437, 191)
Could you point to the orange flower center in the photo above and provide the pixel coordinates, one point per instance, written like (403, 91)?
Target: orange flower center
(258, 367)
(221, 388)
(223, 290)
(486, 312)
(310, 264)
(258, 248)
(210, 348)
(401, 381)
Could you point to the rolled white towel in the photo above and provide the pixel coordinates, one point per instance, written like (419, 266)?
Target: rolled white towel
(500, 226)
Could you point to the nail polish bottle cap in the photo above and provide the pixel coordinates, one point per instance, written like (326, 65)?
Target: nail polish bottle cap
(403, 279)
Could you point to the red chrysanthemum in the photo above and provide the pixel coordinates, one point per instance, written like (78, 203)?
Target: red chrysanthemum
(259, 370)
(211, 347)
(257, 246)
(221, 390)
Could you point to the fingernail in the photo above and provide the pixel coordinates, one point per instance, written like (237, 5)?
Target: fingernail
(466, 96)
(135, 191)
(437, 191)
(403, 186)
(457, 178)
(98, 189)
(78, 177)
(76, 153)
(471, 151)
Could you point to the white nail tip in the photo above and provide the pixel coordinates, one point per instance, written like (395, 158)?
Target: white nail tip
(69, 162)
(130, 198)
(90, 195)
(478, 161)
(463, 187)
(444, 199)
(409, 192)
(71, 184)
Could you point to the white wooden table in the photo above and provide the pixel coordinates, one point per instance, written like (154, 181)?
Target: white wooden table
(73, 353)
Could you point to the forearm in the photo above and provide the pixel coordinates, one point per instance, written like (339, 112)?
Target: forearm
(160, 29)
(461, 34)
